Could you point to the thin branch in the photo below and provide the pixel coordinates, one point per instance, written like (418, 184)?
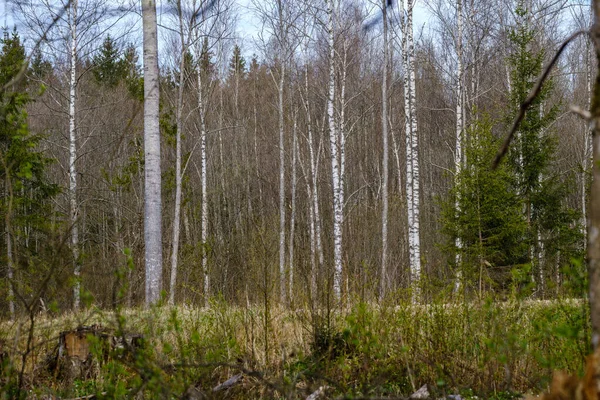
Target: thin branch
(531, 97)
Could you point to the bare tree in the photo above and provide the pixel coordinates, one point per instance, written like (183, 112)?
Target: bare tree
(385, 160)
(152, 187)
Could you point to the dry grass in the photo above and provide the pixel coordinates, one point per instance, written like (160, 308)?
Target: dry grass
(487, 347)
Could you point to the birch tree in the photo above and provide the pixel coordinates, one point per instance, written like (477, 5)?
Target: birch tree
(412, 146)
(73, 204)
(334, 143)
(72, 38)
(458, 156)
(385, 158)
(152, 172)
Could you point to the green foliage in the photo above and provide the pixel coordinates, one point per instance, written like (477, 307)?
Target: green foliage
(237, 63)
(553, 230)
(26, 208)
(111, 66)
(514, 223)
(489, 222)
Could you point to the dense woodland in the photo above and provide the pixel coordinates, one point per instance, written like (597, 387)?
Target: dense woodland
(350, 157)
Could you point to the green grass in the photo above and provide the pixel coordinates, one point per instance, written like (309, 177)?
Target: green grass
(488, 349)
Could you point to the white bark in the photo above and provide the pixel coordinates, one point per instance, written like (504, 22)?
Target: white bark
(293, 210)
(73, 206)
(203, 173)
(335, 165)
(587, 140)
(412, 150)
(313, 190)
(178, 177)
(385, 159)
(458, 155)
(282, 279)
(152, 186)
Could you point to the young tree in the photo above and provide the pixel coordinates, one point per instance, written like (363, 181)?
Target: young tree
(385, 160)
(484, 214)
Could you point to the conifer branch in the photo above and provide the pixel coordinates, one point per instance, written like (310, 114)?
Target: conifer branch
(535, 91)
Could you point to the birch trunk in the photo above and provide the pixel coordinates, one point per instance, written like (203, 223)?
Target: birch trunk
(314, 170)
(335, 165)
(293, 210)
(313, 191)
(203, 173)
(152, 186)
(282, 280)
(459, 132)
(178, 177)
(385, 158)
(73, 206)
(587, 146)
(412, 150)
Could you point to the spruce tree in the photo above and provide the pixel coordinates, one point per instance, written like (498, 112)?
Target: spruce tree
(552, 234)
(489, 221)
(25, 208)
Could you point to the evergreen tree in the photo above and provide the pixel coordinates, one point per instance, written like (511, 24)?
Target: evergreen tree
(552, 233)
(25, 207)
(109, 67)
(237, 63)
(489, 223)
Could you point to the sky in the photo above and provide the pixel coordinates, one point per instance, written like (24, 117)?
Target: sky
(248, 25)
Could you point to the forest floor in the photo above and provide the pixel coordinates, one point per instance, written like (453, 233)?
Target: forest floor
(485, 349)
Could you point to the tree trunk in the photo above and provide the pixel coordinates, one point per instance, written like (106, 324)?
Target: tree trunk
(335, 165)
(293, 210)
(178, 177)
(593, 250)
(458, 155)
(385, 160)
(73, 206)
(282, 279)
(152, 186)
(314, 172)
(203, 172)
(412, 150)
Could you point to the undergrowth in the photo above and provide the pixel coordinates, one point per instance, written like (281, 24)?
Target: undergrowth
(487, 349)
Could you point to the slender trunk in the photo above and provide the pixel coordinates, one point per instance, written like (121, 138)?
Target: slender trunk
(73, 206)
(385, 160)
(335, 165)
(587, 142)
(293, 210)
(311, 228)
(314, 170)
(203, 176)
(413, 153)
(408, 145)
(282, 280)
(152, 187)
(9, 250)
(459, 134)
(178, 177)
